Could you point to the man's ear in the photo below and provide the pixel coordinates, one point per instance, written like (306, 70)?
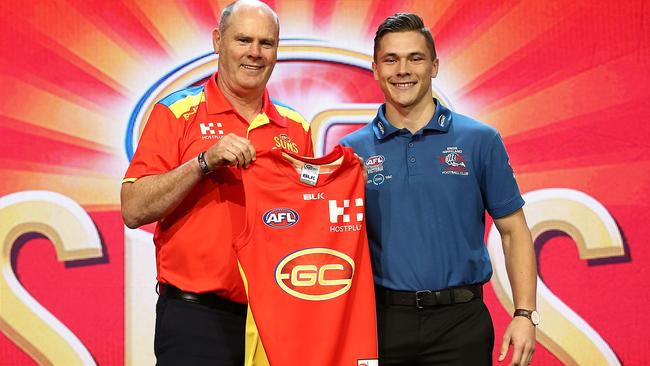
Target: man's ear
(434, 69)
(216, 40)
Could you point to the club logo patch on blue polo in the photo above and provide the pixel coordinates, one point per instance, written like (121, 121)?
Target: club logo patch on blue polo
(442, 120)
(377, 174)
(453, 161)
(378, 179)
(375, 163)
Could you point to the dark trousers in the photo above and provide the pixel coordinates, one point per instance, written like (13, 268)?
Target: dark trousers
(460, 334)
(194, 334)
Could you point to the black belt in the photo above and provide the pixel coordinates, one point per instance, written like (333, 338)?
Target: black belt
(208, 299)
(427, 298)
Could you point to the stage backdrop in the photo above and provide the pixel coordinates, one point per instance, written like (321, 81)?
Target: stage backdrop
(565, 82)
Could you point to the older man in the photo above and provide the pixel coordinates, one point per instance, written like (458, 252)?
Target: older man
(185, 175)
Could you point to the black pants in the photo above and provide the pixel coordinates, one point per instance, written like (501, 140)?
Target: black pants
(194, 334)
(460, 334)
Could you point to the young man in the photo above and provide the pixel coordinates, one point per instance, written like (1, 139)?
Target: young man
(432, 175)
(186, 176)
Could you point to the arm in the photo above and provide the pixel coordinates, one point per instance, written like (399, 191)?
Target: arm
(153, 197)
(522, 273)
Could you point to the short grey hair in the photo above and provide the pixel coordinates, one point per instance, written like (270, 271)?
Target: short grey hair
(227, 11)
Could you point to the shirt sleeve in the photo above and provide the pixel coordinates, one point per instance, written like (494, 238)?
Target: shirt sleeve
(500, 190)
(158, 148)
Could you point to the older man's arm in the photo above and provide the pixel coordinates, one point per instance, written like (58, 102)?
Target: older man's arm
(151, 198)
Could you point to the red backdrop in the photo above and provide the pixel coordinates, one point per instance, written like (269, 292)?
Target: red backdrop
(565, 82)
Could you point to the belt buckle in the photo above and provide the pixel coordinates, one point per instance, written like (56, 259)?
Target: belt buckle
(418, 299)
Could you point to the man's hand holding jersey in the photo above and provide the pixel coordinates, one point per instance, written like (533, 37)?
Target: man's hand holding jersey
(230, 150)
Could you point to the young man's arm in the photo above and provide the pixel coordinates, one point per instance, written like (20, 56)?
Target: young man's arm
(522, 272)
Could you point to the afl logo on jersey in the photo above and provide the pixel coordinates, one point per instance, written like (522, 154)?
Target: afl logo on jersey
(280, 217)
(315, 274)
(375, 160)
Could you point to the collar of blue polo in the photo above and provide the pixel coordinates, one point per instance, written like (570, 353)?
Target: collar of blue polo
(440, 121)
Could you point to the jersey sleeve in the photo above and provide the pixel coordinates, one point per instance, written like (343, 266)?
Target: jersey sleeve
(158, 148)
(500, 190)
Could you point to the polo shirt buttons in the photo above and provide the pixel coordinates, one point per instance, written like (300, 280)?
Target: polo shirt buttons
(412, 159)
(410, 144)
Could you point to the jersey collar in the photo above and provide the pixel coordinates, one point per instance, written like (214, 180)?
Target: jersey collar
(440, 121)
(217, 103)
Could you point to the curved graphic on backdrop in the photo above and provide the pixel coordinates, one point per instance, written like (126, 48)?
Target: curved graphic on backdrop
(562, 331)
(27, 323)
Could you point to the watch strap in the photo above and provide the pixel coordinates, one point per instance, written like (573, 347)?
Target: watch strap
(526, 314)
(203, 164)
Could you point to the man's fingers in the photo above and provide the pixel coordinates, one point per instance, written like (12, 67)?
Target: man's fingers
(517, 355)
(251, 148)
(528, 355)
(245, 149)
(504, 347)
(240, 150)
(229, 157)
(248, 152)
(363, 165)
(246, 145)
(240, 159)
(525, 356)
(233, 150)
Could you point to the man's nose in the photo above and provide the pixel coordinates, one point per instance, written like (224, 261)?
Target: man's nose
(402, 67)
(255, 49)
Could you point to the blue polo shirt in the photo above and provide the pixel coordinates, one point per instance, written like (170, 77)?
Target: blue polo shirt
(426, 198)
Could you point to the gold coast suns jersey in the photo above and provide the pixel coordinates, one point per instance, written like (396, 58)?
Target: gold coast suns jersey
(305, 262)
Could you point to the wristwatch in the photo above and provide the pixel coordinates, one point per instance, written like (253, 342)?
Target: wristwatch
(532, 315)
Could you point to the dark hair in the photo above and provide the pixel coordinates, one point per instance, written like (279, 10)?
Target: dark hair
(404, 22)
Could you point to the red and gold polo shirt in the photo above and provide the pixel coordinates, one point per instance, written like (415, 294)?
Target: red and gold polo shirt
(194, 242)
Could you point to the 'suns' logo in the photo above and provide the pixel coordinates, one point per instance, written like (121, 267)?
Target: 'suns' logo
(280, 217)
(315, 274)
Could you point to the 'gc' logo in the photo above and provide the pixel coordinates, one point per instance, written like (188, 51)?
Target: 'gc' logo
(315, 274)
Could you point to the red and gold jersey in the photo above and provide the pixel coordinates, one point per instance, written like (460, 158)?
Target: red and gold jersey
(194, 242)
(305, 262)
